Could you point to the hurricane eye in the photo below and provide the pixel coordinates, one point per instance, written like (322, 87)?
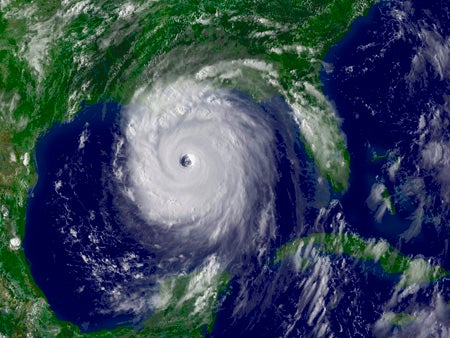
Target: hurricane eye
(186, 161)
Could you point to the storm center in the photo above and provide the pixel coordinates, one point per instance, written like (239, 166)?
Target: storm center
(186, 160)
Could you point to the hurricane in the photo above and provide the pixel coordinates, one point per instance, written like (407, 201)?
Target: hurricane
(199, 161)
(224, 168)
(185, 181)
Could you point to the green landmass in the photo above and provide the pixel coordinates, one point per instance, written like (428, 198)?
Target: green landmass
(55, 55)
(189, 312)
(388, 199)
(377, 158)
(401, 318)
(411, 270)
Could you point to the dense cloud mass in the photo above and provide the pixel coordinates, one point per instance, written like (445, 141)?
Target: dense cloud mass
(200, 167)
(226, 179)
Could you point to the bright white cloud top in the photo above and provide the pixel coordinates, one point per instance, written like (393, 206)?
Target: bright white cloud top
(200, 167)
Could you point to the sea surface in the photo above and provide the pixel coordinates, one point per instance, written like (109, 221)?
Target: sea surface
(77, 240)
(381, 99)
(367, 76)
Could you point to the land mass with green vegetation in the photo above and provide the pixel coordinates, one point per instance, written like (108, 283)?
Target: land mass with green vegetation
(56, 55)
(410, 270)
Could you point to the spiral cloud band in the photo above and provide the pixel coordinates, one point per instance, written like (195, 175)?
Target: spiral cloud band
(199, 167)
(181, 187)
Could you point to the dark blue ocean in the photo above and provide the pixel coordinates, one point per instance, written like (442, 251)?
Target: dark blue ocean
(371, 91)
(381, 101)
(82, 201)
(379, 113)
(76, 236)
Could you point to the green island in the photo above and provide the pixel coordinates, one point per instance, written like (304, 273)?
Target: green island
(388, 200)
(411, 270)
(377, 158)
(400, 319)
(56, 55)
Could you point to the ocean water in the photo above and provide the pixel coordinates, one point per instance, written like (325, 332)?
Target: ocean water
(381, 99)
(72, 194)
(77, 236)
